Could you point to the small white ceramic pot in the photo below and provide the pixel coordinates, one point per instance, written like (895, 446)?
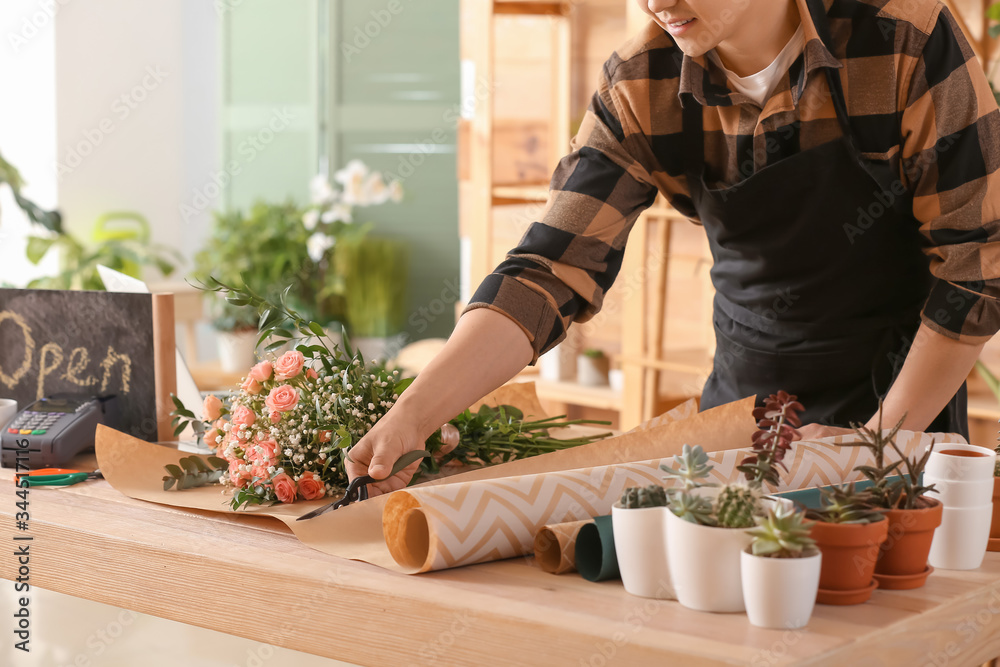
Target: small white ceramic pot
(236, 350)
(952, 493)
(780, 593)
(704, 564)
(960, 462)
(558, 364)
(960, 541)
(592, 371)
(641, 547)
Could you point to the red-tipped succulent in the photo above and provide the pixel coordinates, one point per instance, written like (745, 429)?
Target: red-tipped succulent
(777, 421)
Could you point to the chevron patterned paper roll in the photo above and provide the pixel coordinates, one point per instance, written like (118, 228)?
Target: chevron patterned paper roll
(555, 546)
(472, 522)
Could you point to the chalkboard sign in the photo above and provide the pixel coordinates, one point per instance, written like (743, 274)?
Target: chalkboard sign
(92, 343)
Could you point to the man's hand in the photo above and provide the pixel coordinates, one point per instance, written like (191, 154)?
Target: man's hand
(378, 451)
(817, 431)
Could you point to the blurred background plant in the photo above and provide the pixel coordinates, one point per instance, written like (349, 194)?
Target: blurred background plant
(993, 14)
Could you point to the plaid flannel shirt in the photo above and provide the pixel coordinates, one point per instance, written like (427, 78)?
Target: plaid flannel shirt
(917, 99)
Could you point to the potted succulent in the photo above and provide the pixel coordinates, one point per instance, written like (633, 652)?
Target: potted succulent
(706, 527)
(848, 531)
(640, 542)
(592, 368)
(780, 570)
(913, 517)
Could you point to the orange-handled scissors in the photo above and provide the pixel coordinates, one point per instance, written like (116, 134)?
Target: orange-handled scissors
(57, 476)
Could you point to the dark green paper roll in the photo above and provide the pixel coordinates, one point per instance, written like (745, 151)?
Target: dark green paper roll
(595, 551)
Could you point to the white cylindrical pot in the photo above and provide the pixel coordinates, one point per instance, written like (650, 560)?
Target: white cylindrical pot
(952, 493)
(966, 462)
(960, 541)
(236, 350)
(592, 371)
(641, 547)
(704, 564)
(558, 364)
(779, 593)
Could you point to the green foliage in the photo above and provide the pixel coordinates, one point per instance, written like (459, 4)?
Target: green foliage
(736, 505)
(593, 353)
(782, 532)
(50, 220)
(373, 275)
(637, 497)
(500, 434)
(693, 466)
(844, 504)
(193, 471)
(906, 492)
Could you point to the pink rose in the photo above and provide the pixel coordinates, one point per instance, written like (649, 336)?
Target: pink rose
(282, 399)
(250, 386)
(211, 409)
(288, 365)
(260, 472)
(275, 417)
(450, 438)
(324, 436)
(261, 372)
(266, 455)
(311, 373)
(311, 486)
(213, 438)
(244, 416)
(284, 488)
(239, 478)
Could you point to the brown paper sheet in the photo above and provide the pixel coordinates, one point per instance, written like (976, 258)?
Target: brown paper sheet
(135, 468)
(555, 546)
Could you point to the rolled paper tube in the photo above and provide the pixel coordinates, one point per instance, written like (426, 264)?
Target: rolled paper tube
(555, 546)
(596, 559)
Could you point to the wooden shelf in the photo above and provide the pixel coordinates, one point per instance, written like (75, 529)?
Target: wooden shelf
(519, 194)
(532, 7)
(603, 398)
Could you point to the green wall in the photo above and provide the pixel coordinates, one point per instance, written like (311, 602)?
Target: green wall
(372, 80)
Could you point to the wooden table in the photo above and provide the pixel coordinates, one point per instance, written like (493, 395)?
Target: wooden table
(249, 576)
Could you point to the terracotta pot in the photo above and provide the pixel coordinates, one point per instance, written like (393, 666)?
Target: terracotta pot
(905, 550)
(995, 525)
(850, 551)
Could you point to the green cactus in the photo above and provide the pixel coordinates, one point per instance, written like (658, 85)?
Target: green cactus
(696, 509)
(693, 466)
(736, 506)
(783, 533)
(843, 504)
(637, 497)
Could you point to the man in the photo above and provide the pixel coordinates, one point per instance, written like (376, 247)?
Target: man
(843, 158)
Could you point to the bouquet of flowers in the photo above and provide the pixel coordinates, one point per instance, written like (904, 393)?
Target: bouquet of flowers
(286, 431)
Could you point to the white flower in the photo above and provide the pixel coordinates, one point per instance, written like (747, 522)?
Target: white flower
(318, 244)
(310, 219)
(374, 191)
(336, 212)
(352, 177)
(396, 191)
(320, 191)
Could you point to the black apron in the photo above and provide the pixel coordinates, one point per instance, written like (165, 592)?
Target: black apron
(819, 276)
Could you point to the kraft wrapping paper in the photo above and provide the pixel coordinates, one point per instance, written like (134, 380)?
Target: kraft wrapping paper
(472, 522)
(596, 558)
(135, 468)
(555, 546)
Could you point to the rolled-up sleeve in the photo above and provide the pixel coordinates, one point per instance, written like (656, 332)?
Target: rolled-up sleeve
(566, 262)
(951, 156)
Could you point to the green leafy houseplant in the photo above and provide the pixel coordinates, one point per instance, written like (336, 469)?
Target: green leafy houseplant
(992, 382)
(266, 247)
(993, 13)
(783, 532)
(9, 174)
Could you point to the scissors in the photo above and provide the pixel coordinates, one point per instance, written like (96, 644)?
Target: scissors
(58, 477)
(356, 490)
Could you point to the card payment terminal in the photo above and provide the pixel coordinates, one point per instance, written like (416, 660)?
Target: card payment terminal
(51, 431)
